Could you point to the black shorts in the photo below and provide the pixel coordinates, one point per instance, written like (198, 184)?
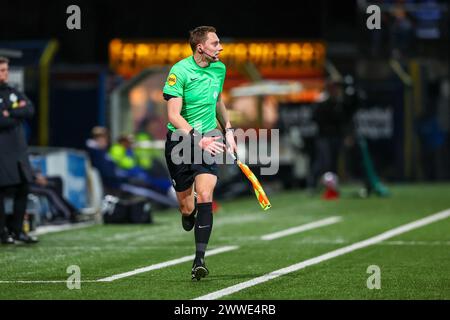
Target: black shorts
(183, 175)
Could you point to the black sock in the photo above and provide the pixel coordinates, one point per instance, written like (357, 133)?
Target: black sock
(203, 227)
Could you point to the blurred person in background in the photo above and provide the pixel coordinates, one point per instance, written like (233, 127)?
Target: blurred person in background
(401, 32)
(148, 157)
(355, 144)
(98, 149)
(15, 168)
(118, 163)
(99, 139)
(124, 156)
(329, 117)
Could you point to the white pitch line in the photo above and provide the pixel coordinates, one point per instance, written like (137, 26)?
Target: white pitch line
(44, 281)
(134, 272)
(327, 256)
(52, 229)
(302, 228)
(166, 264)
(416, 243)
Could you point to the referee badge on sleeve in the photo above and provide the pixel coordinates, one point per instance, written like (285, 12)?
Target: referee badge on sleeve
(172, 79)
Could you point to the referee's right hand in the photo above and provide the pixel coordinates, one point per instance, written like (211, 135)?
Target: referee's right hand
(211, 145)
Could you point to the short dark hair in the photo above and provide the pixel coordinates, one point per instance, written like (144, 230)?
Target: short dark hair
(99, 132)
(4, 60)
(199, 35)
(124, 138)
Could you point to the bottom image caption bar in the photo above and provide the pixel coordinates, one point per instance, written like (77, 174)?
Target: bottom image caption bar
(235, 309)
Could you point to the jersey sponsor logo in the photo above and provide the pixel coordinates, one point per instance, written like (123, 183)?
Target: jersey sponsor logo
(172, 79)
(193, 79)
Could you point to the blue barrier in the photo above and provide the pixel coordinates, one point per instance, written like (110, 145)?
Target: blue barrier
(71, 166)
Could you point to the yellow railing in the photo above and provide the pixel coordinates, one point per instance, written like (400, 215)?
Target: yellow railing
(44, 76)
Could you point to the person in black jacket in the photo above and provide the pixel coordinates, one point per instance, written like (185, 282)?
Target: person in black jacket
(15, 169)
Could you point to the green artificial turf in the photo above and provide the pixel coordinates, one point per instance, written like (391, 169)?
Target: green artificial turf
(414, 265)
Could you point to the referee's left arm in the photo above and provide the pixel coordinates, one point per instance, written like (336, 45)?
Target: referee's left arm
(222, 114)
(224, 121)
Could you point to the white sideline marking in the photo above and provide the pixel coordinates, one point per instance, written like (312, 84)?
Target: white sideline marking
(327, 256)
(302, 228)
(166, 264)
(384, 243)
(134, 272)
(42, 281)
(52, 229)
(416, 243)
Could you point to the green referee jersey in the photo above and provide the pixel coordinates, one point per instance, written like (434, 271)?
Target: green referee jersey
(199, 87)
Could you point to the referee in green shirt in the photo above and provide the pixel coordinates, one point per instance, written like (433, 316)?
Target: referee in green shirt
(193, 91)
